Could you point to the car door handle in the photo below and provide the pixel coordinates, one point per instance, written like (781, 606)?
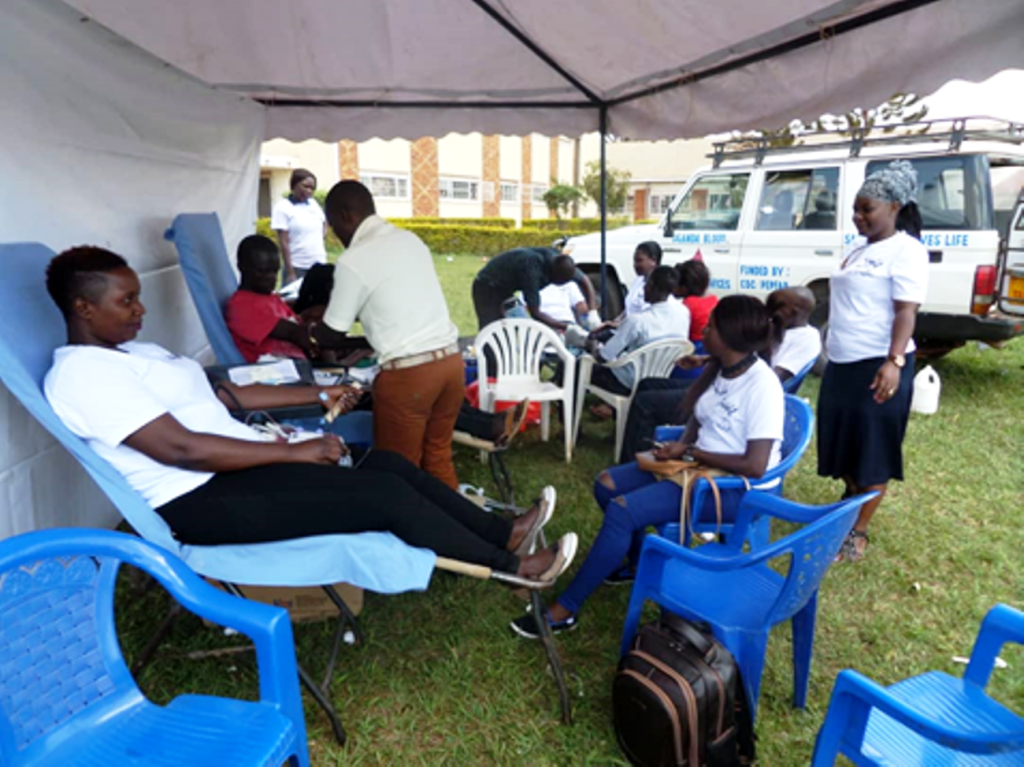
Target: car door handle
(823, 252)
(671, 250)
(721, 250)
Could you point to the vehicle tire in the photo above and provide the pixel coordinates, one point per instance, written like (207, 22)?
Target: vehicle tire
(819, 319)
(616, 295)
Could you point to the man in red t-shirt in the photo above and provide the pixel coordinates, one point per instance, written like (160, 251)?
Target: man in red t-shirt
(259, 321)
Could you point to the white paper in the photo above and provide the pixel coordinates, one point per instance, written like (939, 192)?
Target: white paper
(279, 372)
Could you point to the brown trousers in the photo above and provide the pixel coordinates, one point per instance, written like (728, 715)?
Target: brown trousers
(414, 412)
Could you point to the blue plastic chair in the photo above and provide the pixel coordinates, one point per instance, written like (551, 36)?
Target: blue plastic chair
(31, 328)
(66, 695)
(931, 719)
(792, 385)
(739, 594)
(796, 437)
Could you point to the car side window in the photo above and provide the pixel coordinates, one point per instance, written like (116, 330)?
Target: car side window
(798, 199)
(713, 202)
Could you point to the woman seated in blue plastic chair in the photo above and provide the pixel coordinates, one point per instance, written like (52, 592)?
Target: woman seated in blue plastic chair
(737, 427)
(154, 417)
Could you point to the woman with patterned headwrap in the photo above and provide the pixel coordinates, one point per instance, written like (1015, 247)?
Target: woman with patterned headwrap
(875, 293)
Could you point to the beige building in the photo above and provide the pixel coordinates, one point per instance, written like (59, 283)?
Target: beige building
(477, 176)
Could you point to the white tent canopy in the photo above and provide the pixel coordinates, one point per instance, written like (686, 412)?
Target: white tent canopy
(119, 114)
(333, 69)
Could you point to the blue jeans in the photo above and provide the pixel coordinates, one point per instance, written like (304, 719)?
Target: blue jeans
(637, 501)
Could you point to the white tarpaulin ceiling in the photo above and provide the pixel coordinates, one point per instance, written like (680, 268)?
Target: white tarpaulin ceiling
(358, 69)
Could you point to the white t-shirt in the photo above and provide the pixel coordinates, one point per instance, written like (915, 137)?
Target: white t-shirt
(635, 302)
(799, 348)
(666, 319)
(734, 411)
(386, 280)
(557, 301)
(106, 395)
(304, 223)
(861, 311)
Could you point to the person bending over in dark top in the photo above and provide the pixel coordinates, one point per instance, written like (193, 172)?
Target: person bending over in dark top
(529, 270)
(154, 417)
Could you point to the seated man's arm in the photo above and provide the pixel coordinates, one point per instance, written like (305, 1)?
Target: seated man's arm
(293, 332)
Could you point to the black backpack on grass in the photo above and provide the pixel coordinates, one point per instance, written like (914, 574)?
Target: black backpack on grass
(678, 699)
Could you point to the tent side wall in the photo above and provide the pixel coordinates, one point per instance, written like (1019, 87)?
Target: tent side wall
(103, 144)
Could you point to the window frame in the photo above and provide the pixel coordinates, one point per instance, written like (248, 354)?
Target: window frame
(474, 184)
(366, 179)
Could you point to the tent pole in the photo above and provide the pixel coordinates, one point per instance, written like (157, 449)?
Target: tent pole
(603, 129)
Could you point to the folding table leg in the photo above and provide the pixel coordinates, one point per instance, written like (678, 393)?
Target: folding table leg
(324, 702)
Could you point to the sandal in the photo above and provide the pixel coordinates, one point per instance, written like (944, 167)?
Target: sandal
(854, 547)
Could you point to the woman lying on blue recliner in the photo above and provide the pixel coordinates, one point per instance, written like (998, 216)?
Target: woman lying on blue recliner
(154, 417)
(737, 427)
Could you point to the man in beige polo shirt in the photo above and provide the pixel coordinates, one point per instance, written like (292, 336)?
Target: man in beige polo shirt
(386, 280)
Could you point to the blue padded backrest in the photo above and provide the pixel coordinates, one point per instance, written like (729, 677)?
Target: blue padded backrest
(209, 276)
(31, 327)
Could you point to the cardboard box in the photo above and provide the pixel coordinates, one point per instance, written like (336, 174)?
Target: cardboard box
(305, 603)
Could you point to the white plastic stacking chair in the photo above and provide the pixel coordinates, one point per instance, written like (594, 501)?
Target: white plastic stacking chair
(655, 360)
(519, 346)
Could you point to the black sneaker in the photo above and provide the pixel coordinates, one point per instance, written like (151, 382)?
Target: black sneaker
(624, 576)
(527, 628)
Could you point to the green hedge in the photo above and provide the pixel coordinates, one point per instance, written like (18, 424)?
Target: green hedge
(468, 236)
(577, 225)
(503, 223)
(480, 240)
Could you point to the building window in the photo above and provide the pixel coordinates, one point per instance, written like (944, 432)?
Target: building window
(392, 186)
(658, 203)
(458, 189)
(509, 191)
(537, 192)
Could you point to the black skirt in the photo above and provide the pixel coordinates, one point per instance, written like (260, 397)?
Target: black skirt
(857, 437)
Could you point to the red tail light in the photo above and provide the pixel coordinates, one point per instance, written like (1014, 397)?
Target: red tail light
(984, 289)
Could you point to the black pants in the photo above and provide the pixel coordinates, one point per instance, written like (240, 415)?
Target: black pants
(656, 403)
(487, 302)
(386, 494)
(476, 423)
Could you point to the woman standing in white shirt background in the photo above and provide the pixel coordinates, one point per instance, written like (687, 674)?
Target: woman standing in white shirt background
(875, 293)
(300, 225)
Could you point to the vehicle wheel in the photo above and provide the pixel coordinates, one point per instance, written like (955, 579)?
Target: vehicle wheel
(616, 297)
(819, 319)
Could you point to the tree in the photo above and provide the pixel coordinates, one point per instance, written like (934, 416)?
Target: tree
(617, 185)
(560, 197)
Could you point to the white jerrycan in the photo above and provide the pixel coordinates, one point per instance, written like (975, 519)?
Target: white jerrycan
(926, 391)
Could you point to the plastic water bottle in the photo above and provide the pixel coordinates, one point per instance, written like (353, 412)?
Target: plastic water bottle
(927, 388)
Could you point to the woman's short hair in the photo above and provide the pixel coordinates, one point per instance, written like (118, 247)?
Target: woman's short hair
(694, 277)
(652, 249)
(743, 323)
(299, 175)
(80, 272)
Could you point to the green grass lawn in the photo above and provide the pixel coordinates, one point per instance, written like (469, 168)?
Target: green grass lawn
(441, 679)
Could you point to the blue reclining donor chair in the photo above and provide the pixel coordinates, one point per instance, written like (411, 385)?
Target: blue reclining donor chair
(31, 327)
(66, 695)
(931, 719)
(211, 281)
(796, 436)
(739, 593)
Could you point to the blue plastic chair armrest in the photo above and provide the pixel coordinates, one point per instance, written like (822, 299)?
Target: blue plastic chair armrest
(668, 433)
(854, 695)
(1002, 624)
(757, 504)
(658, 548)
(268, 627)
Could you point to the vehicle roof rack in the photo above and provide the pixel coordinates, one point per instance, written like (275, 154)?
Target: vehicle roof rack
(954, 130)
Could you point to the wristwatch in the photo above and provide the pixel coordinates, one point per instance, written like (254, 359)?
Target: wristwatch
(898, 360)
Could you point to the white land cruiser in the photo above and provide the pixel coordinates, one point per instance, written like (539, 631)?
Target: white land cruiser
(765, 218)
